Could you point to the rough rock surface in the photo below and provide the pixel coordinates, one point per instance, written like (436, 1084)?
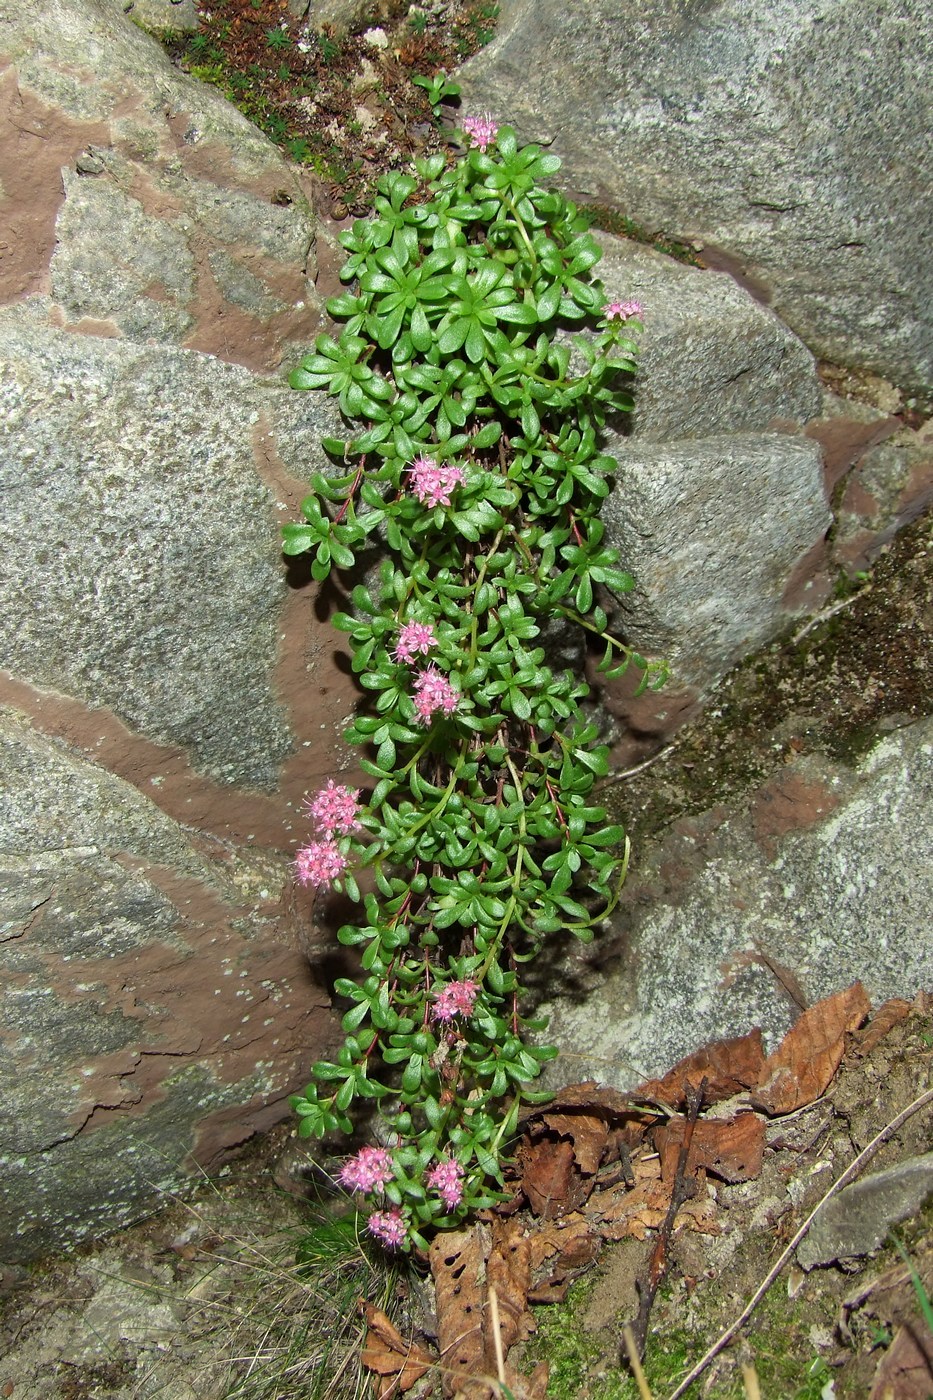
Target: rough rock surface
(709, 589)
(140, 200)
(143, 571)
(168, 695)
(157, 1005)
(821, 878)
(790, 138)
(712, 360)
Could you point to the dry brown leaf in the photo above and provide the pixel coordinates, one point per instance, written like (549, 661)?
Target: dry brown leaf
(465, 1265)
(728, 1066)
(701, 1215)
(884, 1020)
(560, 1250)
(804, 1063)
(591, 1096)
(905, 1372)
(508, 1271)
(387, 1353)
(619, 1212)
(458, 1267)
(588, 1134)
(548, 1178)
(730, 1149)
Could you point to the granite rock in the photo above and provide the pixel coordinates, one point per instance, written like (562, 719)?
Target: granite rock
(808, 874)
(789, 139)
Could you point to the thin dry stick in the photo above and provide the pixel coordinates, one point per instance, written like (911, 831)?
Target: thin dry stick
(829, 612)
(848, 1175)
(659, 1263)
(496, 1334)
(634, 1360)
(630, 772)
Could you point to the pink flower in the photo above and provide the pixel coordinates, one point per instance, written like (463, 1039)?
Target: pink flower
(481, 130)
(433, 692)
(319, 863)
(431, 483)
(369, 1170)
(457, 999)
(415, 638)
(621, 310)
(388, 1226)
(335, 809)
(447, 1180)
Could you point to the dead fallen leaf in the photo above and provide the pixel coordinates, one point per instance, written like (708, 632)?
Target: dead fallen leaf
(730, 1149)
(905, 1372)
(458, 1267)
(884, 1020)
(560, 1250)
(804, 1063)
(387, 1353)
(587, 1133)
(465, 1264)
(728, 1066)
(595, 1098)
(619, 1212)
(508, 1271)
(548, 1178)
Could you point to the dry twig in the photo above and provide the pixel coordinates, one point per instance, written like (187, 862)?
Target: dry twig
(680, 1191)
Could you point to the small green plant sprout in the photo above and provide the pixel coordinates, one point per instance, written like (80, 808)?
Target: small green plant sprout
(278, 39)
(437, 88)
(474, 462)
(329, 48)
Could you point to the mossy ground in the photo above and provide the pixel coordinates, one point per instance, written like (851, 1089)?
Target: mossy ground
(863, 672)
(809, 1329)
(342, 102)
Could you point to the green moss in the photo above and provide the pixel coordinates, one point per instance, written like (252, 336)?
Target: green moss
(583, 1365)
(614, 221)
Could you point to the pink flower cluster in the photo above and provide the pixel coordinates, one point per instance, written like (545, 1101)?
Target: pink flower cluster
(457, 999)
(432, 483)
(319, 863)
(447, 1180)
(370, 1170)
(415, 639)
(621, 310)
(388, 1226)
(434, 692)
(335, 808)
(482, 130)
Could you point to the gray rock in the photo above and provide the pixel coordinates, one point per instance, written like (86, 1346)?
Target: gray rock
(811, 874)
(154, 1014)
(713, 360)
(340, 13)
(890, 486)
(180, 223)
(159, 16)
(142, 561)
(716, 533)
(792, 138)
(145, 285)
(858, 1219)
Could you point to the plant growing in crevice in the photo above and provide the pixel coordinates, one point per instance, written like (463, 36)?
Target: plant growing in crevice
(476, 466)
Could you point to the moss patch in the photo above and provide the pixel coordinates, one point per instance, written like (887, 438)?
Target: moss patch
(863, 672)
